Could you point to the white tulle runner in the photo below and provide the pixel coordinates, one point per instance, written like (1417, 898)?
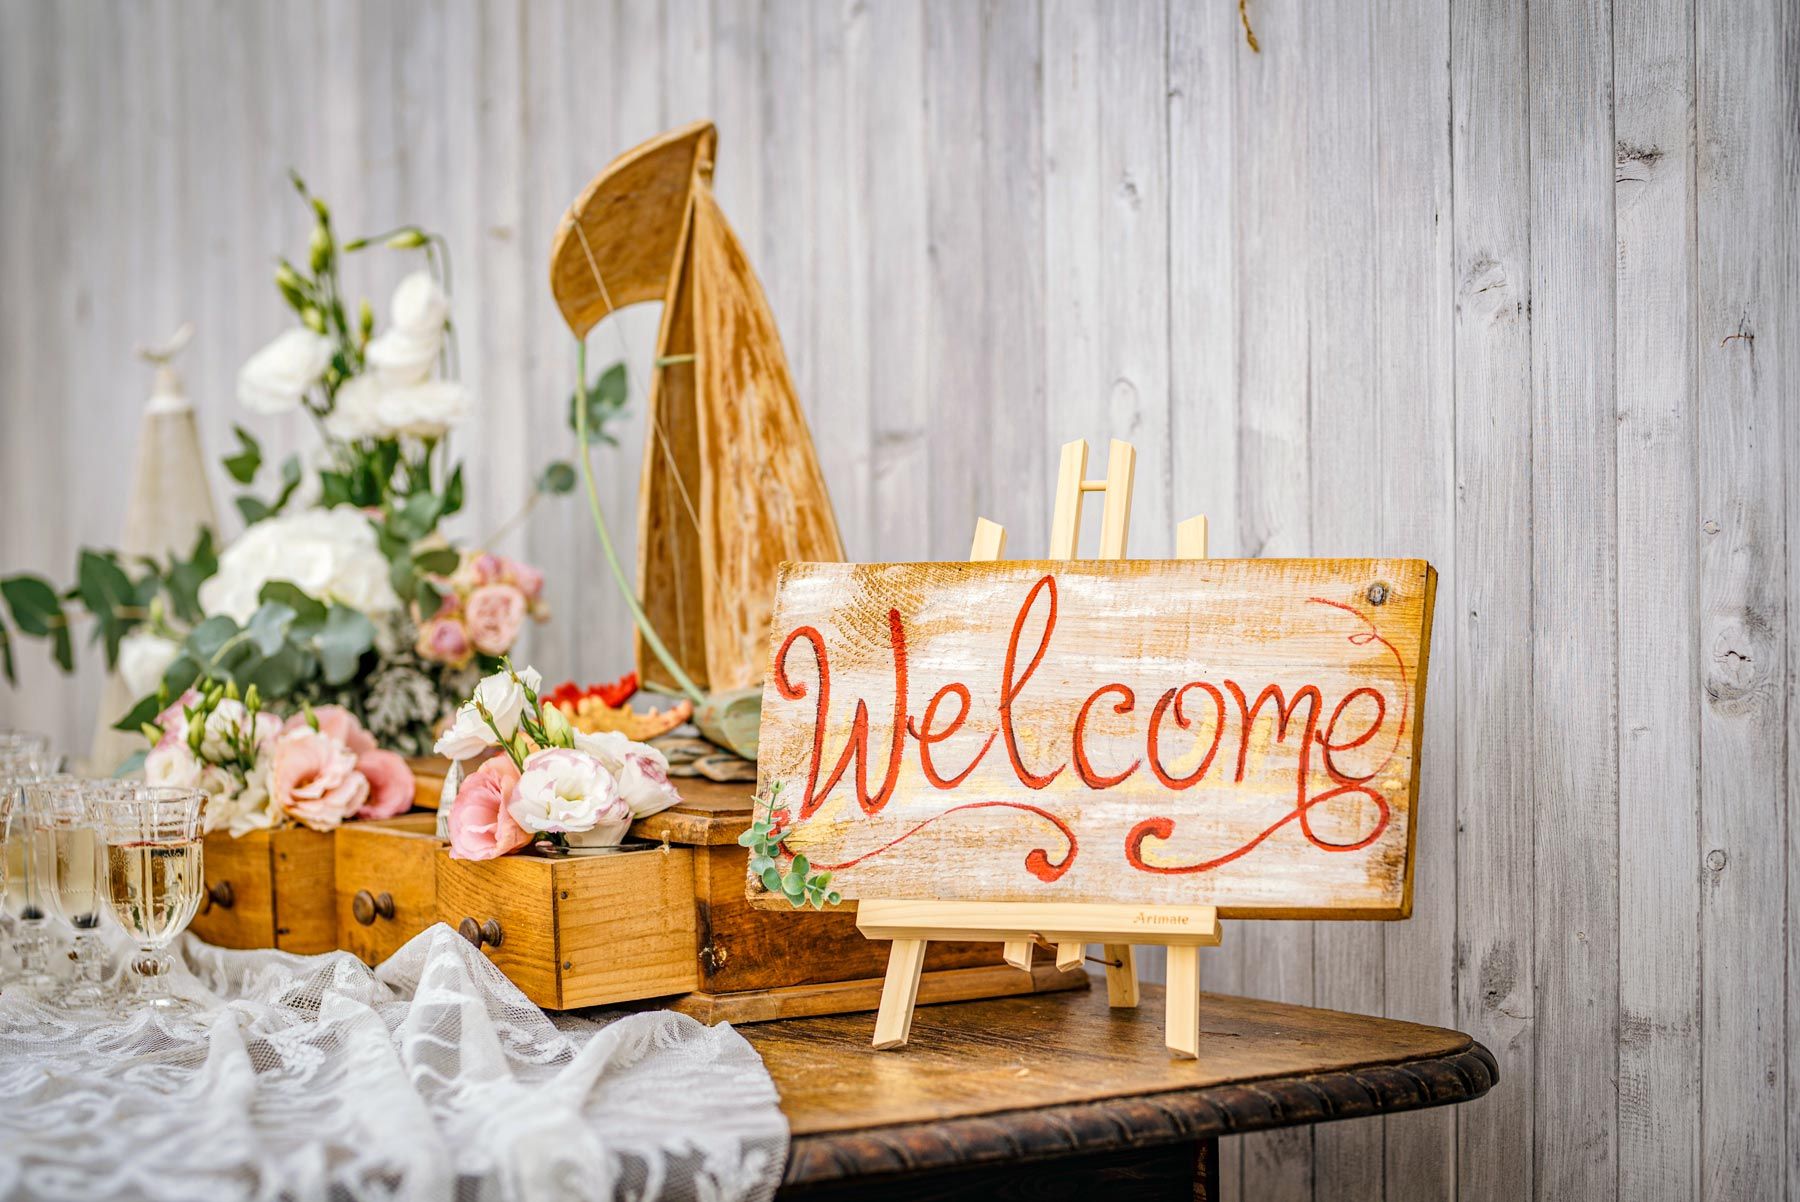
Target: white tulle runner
(429, 1078)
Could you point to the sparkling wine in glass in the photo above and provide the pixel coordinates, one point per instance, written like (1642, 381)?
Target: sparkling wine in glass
(25, 856)
(72, 864)
(153, 875)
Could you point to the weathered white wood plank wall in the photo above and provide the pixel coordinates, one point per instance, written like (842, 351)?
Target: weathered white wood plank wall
(1513, 286)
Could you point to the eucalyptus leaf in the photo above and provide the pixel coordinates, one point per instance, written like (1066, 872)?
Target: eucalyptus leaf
(283, 671)
(557, 478)
(771, 879)
(205, 640)
(800, 867)
(440, 561)
(341, 642)
(268, 627)
(309, 611)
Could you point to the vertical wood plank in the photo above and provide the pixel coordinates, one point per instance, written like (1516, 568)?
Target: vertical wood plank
(889, 66)
(1415, 389)
(1347, 419)
(1204, 47)
(1490, 636)
(1575, 647)
(1744, 133)
(1272, 445)
(1659, 890)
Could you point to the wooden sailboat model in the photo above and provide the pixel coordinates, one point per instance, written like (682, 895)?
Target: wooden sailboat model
(731, 486)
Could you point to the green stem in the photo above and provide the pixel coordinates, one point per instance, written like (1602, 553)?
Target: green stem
(612, 559)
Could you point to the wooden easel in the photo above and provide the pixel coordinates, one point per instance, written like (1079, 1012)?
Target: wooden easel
(1183, 930)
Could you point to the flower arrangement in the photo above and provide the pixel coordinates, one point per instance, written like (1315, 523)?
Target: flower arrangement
(317, 769)
(550, 782)
(343, 590)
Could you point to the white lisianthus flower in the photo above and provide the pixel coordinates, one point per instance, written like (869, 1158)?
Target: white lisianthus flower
(330, 554)
(419, 306)
(402, 360)
(642, 772)
(276, 377)
(228, 722)
(468, 736)
(237, 809)
(503, 696)
(143, 658)
(356, 410)
(567, 791)
(172, 764)
(424, 410)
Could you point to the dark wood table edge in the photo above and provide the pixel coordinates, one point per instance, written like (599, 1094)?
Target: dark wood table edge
(1179, 1116)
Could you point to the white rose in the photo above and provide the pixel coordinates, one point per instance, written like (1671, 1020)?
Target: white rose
(173, 764)
(234, 808)
(425, 410)
(330, 554)
(419, 305)
(276, 377)
(356, 411)
(567, 791)
(143, 658)
(468, 736)
(402, 359)
(503, 696)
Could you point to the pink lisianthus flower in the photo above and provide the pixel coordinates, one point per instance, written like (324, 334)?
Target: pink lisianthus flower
(391, 784)
(338, 723)
(494, 614)
(173, 721)
(481, 825)
(313, 778)
(443, 640)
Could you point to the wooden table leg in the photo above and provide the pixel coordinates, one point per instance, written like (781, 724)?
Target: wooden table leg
(1182, 1032)
(1207, 1186)
(900, 990)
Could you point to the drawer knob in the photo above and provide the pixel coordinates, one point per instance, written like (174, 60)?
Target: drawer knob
(366, 907)
(217, 895)
(478, 933)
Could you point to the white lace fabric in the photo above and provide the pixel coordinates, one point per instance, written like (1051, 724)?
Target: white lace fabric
(432, 1077)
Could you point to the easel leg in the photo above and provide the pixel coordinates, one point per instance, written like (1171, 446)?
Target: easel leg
(1121, 975)
(1017, 953)
(893, 1022)
(1183, 1017)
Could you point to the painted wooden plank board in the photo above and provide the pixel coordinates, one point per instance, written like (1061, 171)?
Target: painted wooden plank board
(1084, 797)
(1575, 647)
(1417, 415)
(1348, 418)
(1745, 137)
(1659, 891)
(1490, 176)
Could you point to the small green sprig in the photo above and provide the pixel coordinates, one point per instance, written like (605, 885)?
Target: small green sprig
(799, 883)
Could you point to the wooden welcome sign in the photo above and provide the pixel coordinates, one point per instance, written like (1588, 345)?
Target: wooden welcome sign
(1116, 751)
(1233, 733)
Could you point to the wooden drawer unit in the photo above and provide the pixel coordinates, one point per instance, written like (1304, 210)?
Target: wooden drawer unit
(269, 889)
(574, 931)
(386, 889)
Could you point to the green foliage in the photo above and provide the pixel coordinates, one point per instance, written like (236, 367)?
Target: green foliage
(244, 465)
(798, 882)
(557, 479)
(605, 400)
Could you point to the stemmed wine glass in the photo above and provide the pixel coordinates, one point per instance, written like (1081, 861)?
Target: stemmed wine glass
(24, 758)
(73, 874)
(153, 875)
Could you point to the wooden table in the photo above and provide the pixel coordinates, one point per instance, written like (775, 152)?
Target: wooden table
(1055, 1095)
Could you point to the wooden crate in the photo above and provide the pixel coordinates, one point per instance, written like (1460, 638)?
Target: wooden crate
(574, 931)
(386, 888)
(756, 964)
(269, 889)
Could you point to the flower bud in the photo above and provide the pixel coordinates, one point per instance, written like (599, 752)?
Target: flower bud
(315, 320)
(252, 699)
(152, 732)
(322, 209)
(312, 719)
(408, 239)
(365, 318)
(557, 728)
(321, 248)
(231, 690)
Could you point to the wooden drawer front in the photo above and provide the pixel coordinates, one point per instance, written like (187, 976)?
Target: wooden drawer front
(625, 926)
(392, 864)
(239, 907)
(582, 930)
(746, 947)
(304, 875)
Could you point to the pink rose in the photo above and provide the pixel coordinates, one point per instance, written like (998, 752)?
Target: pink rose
(391, 784)
(495, 612)
(337, 723)
(481, 827)
(443, 640)
(313, 778)
(487, 568)
(529, 580)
